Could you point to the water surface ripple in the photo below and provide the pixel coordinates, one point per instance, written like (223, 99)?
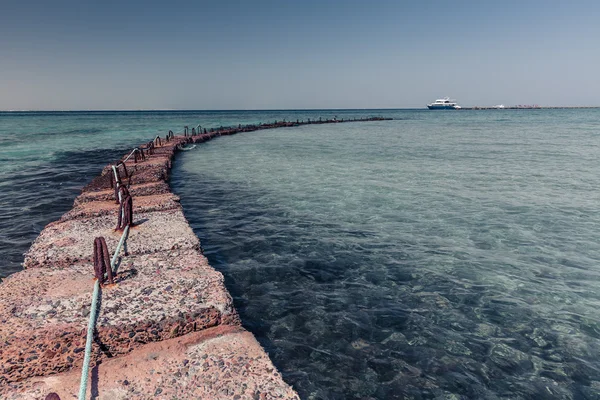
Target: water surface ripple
(447, 255)
(440, 256)
(46, 157)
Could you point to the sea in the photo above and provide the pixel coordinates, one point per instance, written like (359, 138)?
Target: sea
(438, 255)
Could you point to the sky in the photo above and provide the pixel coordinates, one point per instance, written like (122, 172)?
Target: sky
(284, 54)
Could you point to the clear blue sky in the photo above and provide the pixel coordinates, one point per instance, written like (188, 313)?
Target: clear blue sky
(296, 54)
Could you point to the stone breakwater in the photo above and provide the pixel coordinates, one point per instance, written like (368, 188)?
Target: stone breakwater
(167, 328)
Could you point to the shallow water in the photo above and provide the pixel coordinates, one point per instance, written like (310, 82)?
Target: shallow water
(46, 157)
(452, 255)
(440, 255)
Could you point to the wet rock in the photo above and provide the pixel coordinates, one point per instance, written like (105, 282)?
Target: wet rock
(509, 359)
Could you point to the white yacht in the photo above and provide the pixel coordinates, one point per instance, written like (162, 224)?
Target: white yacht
(443, 104)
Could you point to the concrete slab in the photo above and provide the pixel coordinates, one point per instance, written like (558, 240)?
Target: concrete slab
(102, 182)
(141, 204)
(151, 162)
(218, 363)
(156, 297)
(61, 244)
(144, 189)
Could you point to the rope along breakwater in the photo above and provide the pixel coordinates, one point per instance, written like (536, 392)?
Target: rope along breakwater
(166, 327)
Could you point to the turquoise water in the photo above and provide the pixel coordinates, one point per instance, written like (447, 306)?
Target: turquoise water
(444, 255)
(441, 255)
(46, 157)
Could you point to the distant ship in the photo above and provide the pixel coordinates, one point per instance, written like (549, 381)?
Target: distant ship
(444, 104)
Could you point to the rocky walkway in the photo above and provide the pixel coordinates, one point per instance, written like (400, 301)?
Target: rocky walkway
(166, 328)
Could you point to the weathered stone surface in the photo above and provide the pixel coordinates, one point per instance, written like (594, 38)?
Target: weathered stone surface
(160, 159)
(61, 244)
(144, 189)
(217, 363)
(155, 162)
(168, 149)
(142, 204)
(136, 177)
(44, 311)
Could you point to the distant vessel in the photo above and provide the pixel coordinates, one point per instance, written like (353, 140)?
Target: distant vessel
(443, 104)
(499, 106)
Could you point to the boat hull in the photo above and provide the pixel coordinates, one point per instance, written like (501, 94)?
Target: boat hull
(441, 107)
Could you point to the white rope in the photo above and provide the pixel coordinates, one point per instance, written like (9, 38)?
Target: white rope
(85, 371)
(130, 154)
(95, 294)
(88, 343)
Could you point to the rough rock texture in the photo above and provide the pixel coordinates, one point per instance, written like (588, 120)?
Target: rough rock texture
(136, 177)
(143, 204)
(62, 243)
(159, 160)
(155, 297)
(223, 362)
(146, 189)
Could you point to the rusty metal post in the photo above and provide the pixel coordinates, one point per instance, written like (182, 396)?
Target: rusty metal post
(125, 217)
(106, 259)
(124, 169)
(97, 264)
(102, 261)
(124, 191)
(128, 211)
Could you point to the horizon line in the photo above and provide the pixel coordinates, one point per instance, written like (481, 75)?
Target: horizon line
(200, 109)
(228, 109)
(287, 109)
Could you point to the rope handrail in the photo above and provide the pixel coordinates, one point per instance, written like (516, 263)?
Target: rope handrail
(94, 308)
(96, 292)
(92, 322)
(130, 154)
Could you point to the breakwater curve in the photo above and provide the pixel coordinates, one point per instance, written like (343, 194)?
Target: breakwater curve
(165, 328)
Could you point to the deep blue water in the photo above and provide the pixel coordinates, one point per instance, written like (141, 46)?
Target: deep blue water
(441, 255)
